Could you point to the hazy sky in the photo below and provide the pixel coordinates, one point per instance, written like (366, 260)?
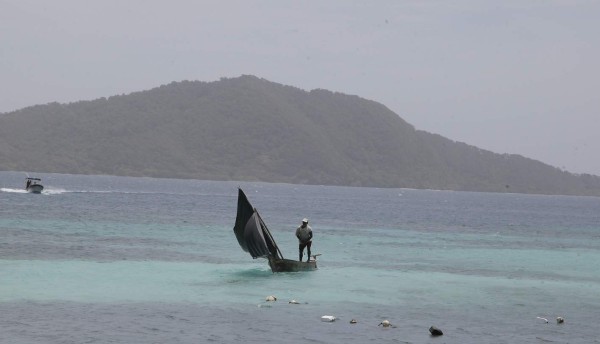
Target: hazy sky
(518, 77)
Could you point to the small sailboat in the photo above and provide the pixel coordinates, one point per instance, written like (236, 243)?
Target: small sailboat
(33, 185)
(255, 238)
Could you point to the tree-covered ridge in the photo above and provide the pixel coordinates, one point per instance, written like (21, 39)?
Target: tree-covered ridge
(248, 128)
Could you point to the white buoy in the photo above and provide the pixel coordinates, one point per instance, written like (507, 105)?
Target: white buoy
(328, 318)
(271, 298)
(544, 319)
(385, 323)
(560, 320)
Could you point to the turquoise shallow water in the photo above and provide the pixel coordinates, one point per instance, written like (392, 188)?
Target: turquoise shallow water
(124, 260)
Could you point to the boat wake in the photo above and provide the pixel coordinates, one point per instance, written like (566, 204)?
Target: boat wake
(58, 191)
(13, 190)
(47, 191)
(50, 191)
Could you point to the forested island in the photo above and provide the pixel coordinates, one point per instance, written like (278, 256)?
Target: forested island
(251, 129)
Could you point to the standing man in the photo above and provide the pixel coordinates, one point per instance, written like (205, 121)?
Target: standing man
(304, 235)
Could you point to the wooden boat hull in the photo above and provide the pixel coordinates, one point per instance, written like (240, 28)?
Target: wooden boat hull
(288, 265)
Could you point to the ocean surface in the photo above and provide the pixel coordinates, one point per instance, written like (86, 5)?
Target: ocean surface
(101, 259)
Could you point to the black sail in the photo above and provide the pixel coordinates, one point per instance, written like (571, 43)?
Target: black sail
(244, 213)
(251, 232)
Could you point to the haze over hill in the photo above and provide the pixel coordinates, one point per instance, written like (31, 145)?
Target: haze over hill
(248, 128)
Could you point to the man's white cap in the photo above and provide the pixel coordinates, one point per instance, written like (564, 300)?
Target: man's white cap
(305, 220)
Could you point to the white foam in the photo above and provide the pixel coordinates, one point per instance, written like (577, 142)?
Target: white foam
(52, 191)
(46, 191)
(13, 190)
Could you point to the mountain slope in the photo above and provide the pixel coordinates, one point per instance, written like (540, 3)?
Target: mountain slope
(248, 128)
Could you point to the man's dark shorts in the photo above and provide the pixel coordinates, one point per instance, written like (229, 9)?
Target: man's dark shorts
(301, 246)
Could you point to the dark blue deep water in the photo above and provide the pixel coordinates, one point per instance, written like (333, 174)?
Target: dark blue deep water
(100, 259)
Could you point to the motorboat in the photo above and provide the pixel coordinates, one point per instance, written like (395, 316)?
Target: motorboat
(33, 185)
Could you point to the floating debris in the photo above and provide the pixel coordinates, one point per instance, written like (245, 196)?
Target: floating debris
(435, 331)
(294, 302)
(385, 323)
(328, 318)
(543, 319)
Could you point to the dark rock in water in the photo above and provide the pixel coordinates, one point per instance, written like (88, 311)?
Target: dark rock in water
(435, 331)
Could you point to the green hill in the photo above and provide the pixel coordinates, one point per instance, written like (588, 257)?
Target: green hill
(248, 128)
